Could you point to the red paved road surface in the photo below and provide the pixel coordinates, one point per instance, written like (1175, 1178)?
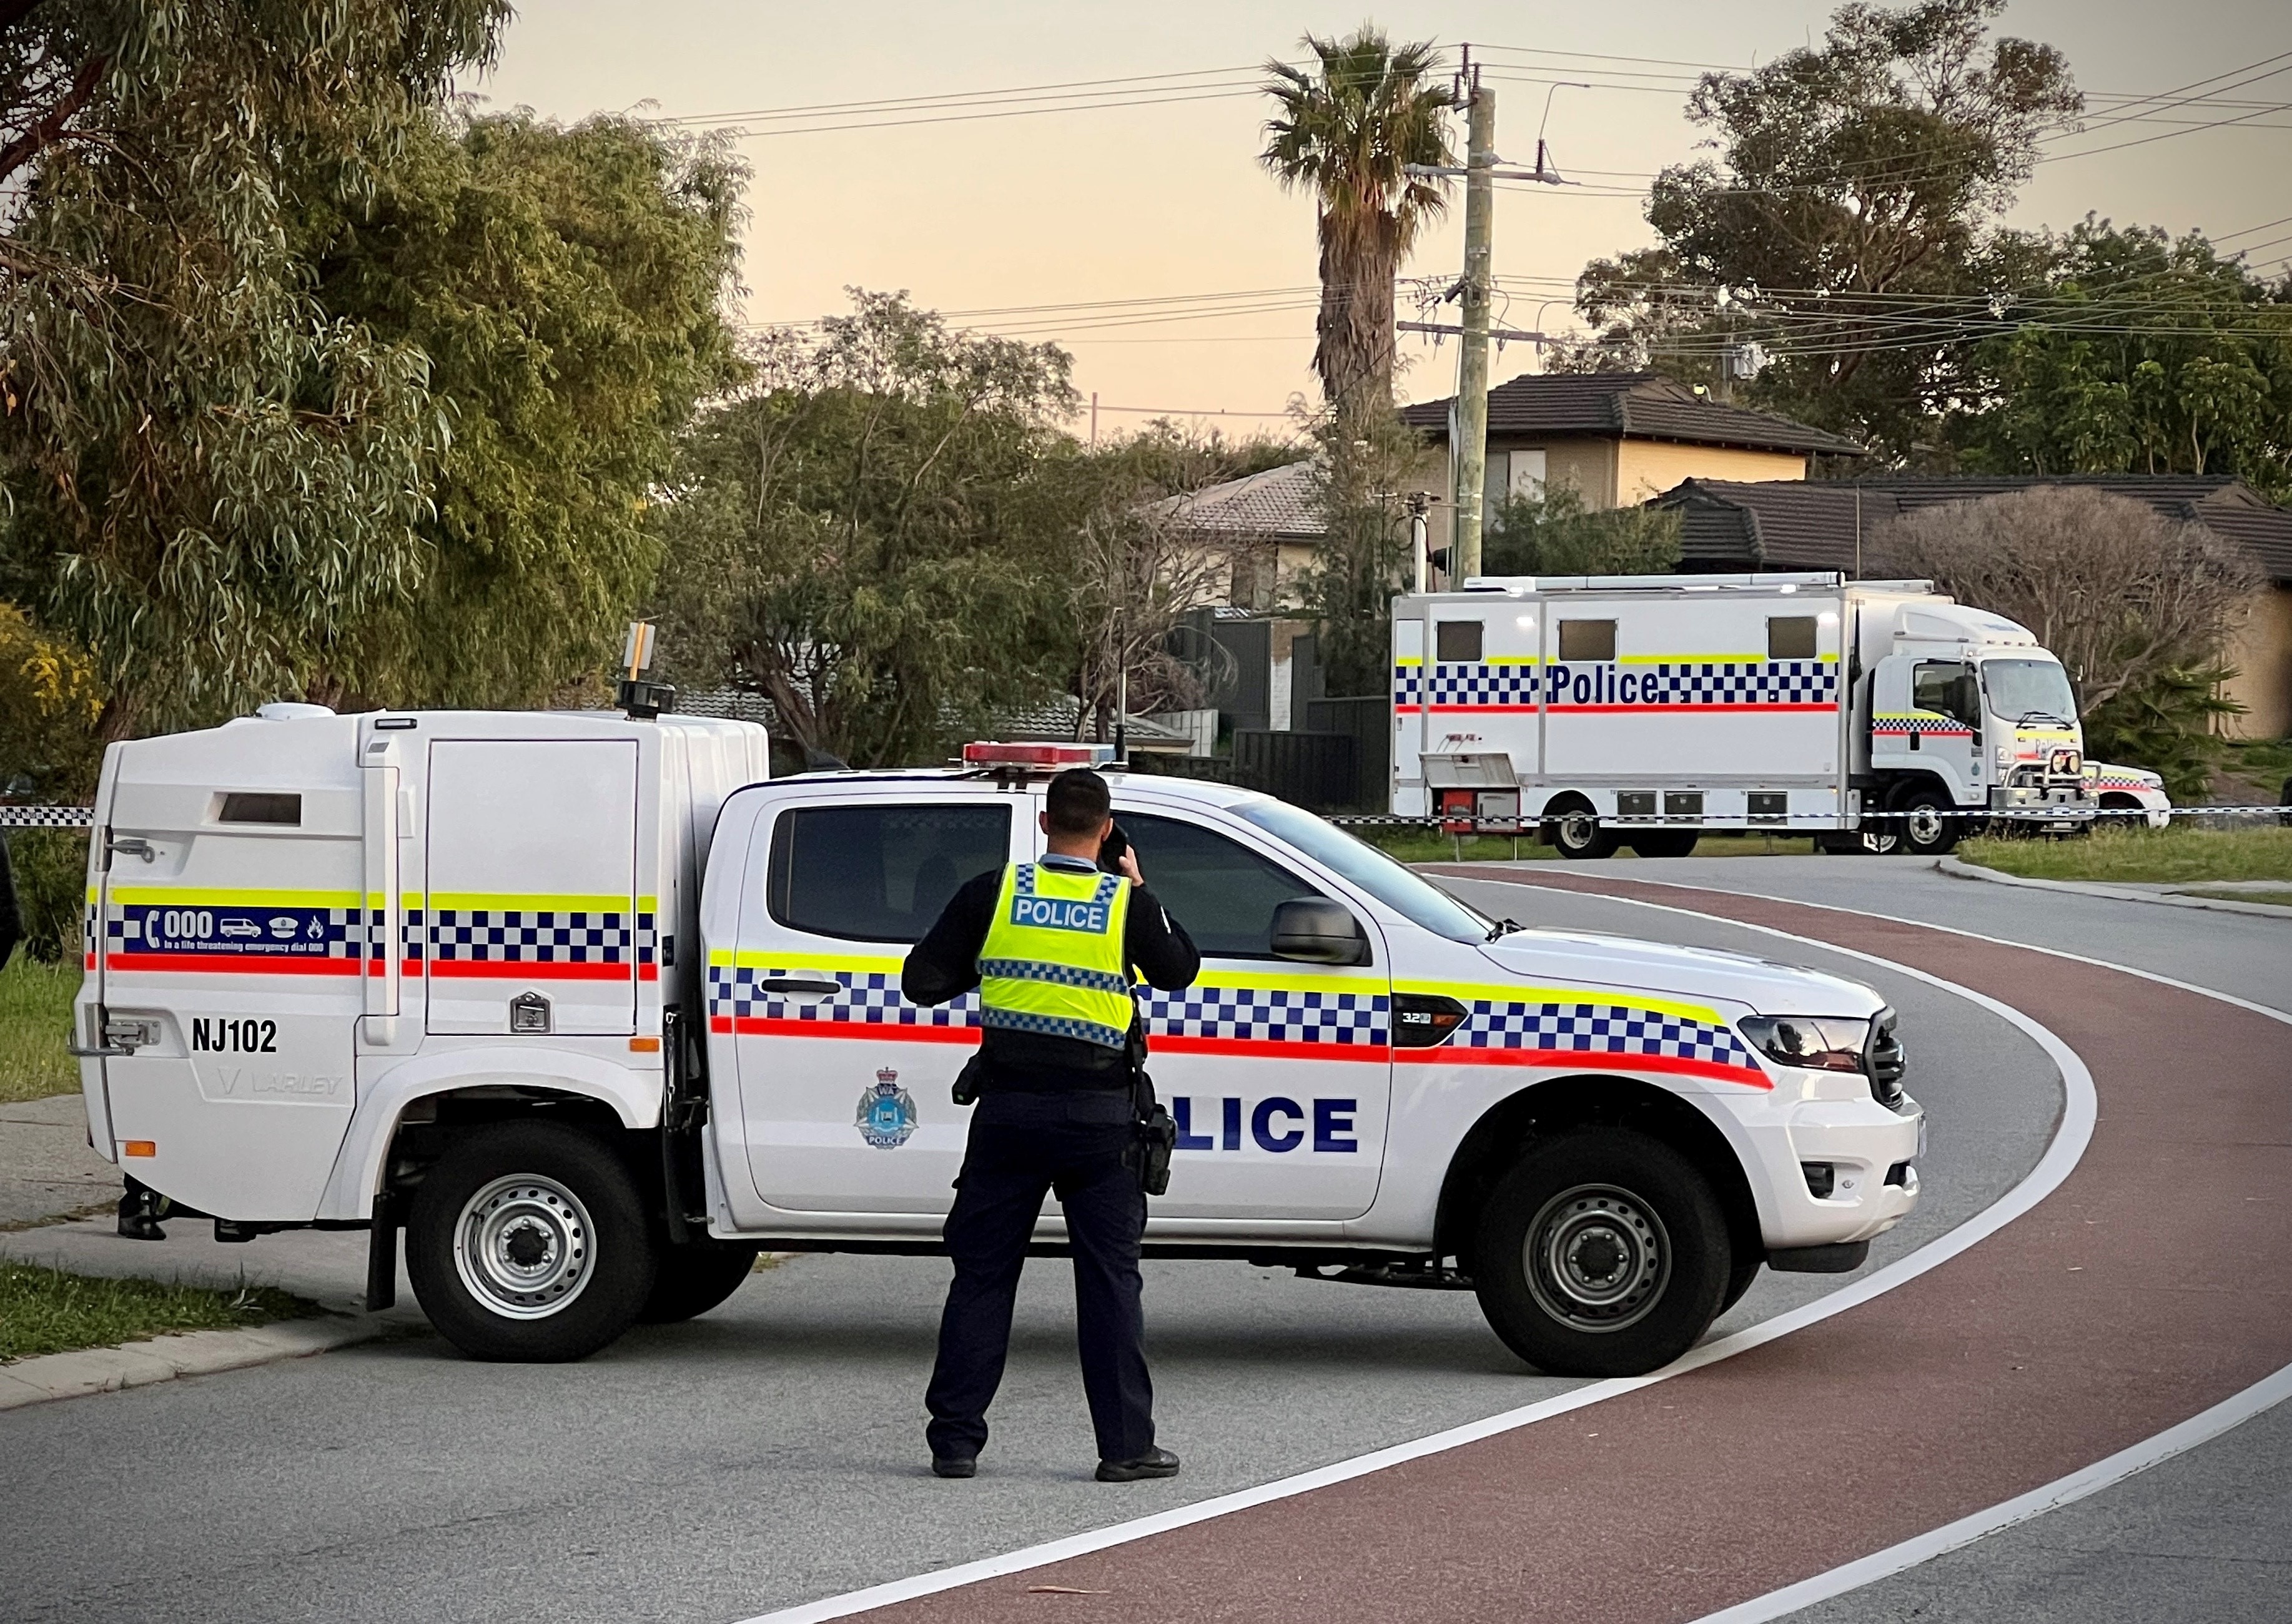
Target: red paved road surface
(2156, 1282)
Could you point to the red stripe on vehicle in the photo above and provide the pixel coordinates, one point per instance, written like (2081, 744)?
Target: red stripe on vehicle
(532, 969)
(242, 964)
(781, 1026)
(1268, 1049)
(1758, 707)
(1580, 1058)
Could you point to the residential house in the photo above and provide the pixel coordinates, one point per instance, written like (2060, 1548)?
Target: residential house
(1620, 438)
(1736, 525)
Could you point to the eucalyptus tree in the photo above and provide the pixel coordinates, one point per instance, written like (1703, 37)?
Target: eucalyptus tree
(864, 534)
(1347, 133)
(566, 286)
(1848, 218)
(206, 472)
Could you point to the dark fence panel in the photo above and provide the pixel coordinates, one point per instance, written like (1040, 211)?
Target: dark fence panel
(1368, 720)
(1313, 770)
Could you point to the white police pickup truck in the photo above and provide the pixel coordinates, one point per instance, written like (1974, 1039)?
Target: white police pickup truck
(591, 1015)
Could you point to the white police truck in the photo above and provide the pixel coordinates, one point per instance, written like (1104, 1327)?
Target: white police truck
(591, 1011)
(1644, 710)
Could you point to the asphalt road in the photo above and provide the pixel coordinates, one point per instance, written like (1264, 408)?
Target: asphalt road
(2107, 1313)
(771, 1451)
(2207, 1535)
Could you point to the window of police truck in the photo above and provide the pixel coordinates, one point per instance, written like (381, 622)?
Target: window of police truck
(1398, 887)
(2016, 688)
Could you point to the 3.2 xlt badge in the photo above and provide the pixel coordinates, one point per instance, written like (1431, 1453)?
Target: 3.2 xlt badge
(887, 1113)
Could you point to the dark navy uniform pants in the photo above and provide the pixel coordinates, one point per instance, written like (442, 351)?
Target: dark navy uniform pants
(1020, 1150)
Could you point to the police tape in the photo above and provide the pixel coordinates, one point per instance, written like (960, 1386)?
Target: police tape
(47, 817)
(1811, 821)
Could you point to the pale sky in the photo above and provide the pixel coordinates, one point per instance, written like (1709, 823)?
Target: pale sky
(1119, 207)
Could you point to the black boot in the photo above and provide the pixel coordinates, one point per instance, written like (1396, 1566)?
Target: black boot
(140, 1212)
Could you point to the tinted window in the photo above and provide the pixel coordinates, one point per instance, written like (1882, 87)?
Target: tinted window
(1587, 639)
(1455, 641)
(879, 873)
(1948, 688)
(2029, 688)
(1790, 637)
(1402, 889)
(1223, 893)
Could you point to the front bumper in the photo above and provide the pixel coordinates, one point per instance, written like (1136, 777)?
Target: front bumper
(1871, 1155)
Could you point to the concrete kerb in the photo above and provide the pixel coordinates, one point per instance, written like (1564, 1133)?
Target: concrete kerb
(1959, 870)
(196, 1352)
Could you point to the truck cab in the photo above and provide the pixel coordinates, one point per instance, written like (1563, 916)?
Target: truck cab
(1968, 713)
(593, 1011)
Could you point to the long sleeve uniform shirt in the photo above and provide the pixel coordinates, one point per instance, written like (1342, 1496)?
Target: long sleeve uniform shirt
(945, 965)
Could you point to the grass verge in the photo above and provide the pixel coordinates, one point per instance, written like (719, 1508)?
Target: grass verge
(2178, 855)
(36, 1028)
(48, 1311)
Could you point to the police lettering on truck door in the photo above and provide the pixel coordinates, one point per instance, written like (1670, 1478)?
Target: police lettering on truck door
(1278, 1073)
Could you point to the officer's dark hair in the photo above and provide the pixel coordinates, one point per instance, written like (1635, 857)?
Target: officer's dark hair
(1077, 802)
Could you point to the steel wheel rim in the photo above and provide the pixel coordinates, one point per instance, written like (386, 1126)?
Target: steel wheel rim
(1597, 1258)
(1925, 826)
(1578, 829)
(524, 1246)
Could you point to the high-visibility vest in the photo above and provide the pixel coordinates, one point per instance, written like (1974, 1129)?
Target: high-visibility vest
(1052, 961)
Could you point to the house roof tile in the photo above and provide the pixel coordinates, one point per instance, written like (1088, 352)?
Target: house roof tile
(1790, 523)
(1629, 405)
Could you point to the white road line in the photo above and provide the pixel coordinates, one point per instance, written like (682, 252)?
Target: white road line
(2269, 1010)
(2061, 1155)
(2197, 1429)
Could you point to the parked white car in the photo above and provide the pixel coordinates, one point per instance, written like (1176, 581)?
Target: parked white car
(2128, 789)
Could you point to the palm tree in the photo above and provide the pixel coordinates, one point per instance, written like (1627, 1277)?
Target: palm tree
(1349, 133)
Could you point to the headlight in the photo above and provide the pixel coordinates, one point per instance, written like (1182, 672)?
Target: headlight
(1823, 1043)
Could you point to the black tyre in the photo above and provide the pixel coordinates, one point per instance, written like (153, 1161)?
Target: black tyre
(688, 1280)
(1578, 832)
(528, 1241)
(1930, 828)
(1665, 843)
(1739, 1281)
(1602, 1252)
(1875, 841)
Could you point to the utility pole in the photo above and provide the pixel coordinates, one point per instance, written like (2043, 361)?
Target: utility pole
(1470, 454)
(1468, 439)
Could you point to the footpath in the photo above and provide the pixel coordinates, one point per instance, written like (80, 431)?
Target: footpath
(50, 1180)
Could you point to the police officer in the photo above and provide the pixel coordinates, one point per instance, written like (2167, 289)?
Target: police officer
(1051, 945)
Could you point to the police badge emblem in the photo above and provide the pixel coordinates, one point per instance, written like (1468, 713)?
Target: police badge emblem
(887, 1113)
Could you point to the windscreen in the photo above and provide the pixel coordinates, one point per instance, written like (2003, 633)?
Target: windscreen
(2017, 688)
(1400, 888)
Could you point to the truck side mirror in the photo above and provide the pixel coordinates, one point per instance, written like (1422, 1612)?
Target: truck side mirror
(1315, 930)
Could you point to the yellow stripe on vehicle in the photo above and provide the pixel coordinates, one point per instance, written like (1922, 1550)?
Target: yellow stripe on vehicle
(213, 897)
(803, 959)
(1714, 659)
(1284, 981)
(537, 902)
(1516, 994)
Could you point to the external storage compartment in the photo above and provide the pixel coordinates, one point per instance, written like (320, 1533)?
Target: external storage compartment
(531, 893)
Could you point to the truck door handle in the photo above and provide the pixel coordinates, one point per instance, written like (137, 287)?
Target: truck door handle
(786, 983)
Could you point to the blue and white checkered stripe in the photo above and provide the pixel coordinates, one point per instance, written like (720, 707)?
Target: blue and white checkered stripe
(1597, 1028)
(871, 998)
(1483, 685)
(1267, 1015)
(1708, 682)
(540, 937)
